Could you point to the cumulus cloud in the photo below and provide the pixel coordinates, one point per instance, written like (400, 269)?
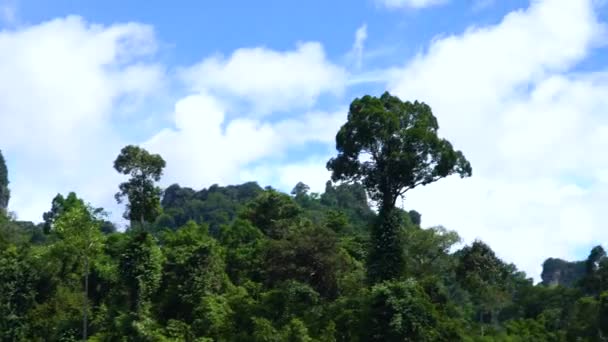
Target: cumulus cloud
(411, 3)
(206, 148)
(269, 80)
(60, 85)
(533, 131)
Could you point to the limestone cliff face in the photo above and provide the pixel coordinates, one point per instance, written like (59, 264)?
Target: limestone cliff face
(562, 272)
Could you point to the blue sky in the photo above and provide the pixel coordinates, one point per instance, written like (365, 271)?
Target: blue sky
(192, 29)
(234, 91)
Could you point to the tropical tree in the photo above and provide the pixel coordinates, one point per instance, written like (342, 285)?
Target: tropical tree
(79, 230)
(391, 147)
(143, 195)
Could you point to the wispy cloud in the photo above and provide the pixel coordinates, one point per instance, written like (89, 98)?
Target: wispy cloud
(8, 12)
(357, 50)
(411, 3)
(479, 5)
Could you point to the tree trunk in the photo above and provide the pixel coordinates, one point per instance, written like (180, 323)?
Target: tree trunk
(86, 299)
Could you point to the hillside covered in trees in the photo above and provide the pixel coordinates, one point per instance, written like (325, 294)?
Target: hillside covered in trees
(247, 263)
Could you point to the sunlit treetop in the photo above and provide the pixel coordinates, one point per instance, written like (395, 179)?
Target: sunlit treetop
(392, 146)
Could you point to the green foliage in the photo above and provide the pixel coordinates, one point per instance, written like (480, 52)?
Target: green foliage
(415, 217)
(19, 232)
(244, 251)
(603, 313)
(215, 206)
(296, 331)
(307, 254)
(264, 331)
(427, 251)
(583, 325)
(79, 230)
(59, 205)
(194, 267)
(213, 317)
(5, 193)
(479, 271)
(351, 200)
(17, 293)
(391, 147)
(401, 311)
(273, 213)
(283, 268)
(400, 140)
(144, 169)
(387, 258)
(141, 270)
(59, 317)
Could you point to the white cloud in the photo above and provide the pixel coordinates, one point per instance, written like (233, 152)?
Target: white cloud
(206, 148)
(532, 131)
(60, 85)
(411, 3)
(267, 79)
(356, 52)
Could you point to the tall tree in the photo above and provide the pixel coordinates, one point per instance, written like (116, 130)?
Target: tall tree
(144, 196)
(5, 193)
(79, 229)
(391, 147)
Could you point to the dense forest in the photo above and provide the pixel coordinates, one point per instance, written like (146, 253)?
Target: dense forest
(246, 263)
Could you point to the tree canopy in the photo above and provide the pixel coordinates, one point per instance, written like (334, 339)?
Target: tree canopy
(143, 195)
(392, 146)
